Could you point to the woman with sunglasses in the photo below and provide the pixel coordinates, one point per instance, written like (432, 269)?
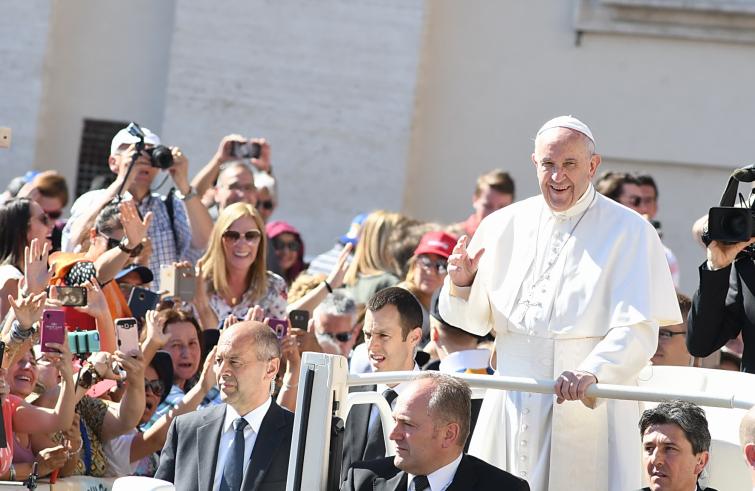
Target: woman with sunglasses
(427, 268)
(25, 215)
(288, 248)
(232, 275)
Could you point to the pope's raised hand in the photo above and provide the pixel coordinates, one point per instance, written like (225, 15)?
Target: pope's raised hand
(461, 267)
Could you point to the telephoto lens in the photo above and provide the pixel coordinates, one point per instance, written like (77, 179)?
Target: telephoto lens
(161, 157)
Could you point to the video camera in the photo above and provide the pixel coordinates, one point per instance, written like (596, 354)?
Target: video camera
(731, 224)
(160, 156)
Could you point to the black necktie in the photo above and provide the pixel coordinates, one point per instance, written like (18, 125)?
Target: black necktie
(375, 448)
(421, 483)
(233, 471)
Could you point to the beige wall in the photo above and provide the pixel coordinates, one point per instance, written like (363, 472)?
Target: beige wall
(105, 60)
(491, 75)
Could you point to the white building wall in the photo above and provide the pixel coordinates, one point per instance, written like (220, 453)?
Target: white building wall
(331, 84)
(23, 40)
(679, 109)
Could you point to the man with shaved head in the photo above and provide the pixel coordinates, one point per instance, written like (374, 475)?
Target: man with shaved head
(575, 287)
(245, 442)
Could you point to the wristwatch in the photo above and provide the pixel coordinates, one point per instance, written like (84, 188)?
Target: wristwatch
(183, 197)
(134, 251)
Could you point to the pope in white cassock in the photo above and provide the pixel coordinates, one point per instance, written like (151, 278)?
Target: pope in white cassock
(575, 286)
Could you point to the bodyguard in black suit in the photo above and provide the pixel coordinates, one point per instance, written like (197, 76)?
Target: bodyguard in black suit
(244, 443)
(432, 419)
(392, 329)
(724, 304)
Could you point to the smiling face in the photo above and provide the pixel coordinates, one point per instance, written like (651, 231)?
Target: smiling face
(426, 273)
(387, 349)
(40, 225)
(240, 254)
(668, 459)
(286, 247)
(565, 165)
(235, 185)
(184, 349)
(22, 375)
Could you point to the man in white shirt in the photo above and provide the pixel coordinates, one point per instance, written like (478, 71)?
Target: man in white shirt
(244, 443)
(575, 286)
(431, 425)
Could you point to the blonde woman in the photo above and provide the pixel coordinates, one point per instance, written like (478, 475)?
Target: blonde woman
(233, 276)
(373, 267)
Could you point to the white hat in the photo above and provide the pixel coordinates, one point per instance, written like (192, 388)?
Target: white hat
(123, 137)
(568, 122)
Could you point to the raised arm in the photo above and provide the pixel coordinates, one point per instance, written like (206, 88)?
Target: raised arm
(124, 416)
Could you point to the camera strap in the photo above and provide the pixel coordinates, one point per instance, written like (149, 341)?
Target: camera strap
(169, 207)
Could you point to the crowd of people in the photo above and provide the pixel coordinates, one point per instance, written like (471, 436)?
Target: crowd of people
(161, 335)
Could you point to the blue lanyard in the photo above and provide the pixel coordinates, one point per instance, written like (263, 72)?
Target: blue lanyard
(87, 448)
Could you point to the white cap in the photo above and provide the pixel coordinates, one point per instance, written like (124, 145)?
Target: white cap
(123, 137)
(568, 122)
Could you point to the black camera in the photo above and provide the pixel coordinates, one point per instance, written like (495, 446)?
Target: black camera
(160, 156)
(728, 223)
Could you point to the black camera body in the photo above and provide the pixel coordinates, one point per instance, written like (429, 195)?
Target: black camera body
(731, 224)
(160, 156)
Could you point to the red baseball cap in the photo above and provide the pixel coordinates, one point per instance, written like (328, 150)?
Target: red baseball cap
(438, 242)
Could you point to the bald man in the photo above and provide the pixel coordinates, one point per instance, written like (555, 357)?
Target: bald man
(243, 443)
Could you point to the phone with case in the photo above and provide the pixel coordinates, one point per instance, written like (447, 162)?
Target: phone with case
(177, 281)
(127, 334)
(141, 300)
(53, 329)
(279, 327)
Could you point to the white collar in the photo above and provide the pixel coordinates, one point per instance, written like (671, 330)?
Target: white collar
(253, 418)
(441, 478)
(579, 207)
(459, 361)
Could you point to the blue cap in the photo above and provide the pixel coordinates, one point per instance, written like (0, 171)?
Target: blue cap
(144, 272)
(352, 236)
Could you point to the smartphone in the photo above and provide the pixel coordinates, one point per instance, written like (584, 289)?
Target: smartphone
(279, 326)
(84, 342)
(142, 300)
(127, 334)
(53, 329)
(177, 281)
(72, 296)
(246, 150)
(299, 319)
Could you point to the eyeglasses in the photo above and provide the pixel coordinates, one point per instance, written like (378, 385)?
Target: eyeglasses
(156, 386)
(267, 204)
(244, 188)
(280, 245)
(633, 200)
(667, 335)
(251, 236)
(440, 266)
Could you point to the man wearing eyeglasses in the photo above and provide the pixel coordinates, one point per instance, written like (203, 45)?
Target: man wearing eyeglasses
(235, 184)
(672, 348)
(335, 318)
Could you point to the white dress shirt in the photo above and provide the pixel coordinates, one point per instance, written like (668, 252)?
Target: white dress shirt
(439, 480)
(251, 430)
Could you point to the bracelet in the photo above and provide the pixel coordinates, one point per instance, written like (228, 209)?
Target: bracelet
(20, 334)
(12, 473)
(81, 444)
(327, 285)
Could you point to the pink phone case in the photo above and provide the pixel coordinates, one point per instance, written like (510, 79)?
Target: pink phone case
(53, 328)
(127, 334)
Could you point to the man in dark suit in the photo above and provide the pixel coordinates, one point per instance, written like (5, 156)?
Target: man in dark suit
(432, 419)
(243, 444)
(392, 330)
(675, 441)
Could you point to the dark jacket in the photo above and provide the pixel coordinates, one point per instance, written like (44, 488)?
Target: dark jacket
(724, 306)
(190, 453)
(473, 473)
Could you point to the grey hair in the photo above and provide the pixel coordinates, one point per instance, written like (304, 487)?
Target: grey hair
(450, 402)
(339, 302)
(687, 416)
(589, 144)
(234, 164)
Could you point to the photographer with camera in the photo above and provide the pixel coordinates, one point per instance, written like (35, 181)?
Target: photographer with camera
(724, 303)
(181, 224)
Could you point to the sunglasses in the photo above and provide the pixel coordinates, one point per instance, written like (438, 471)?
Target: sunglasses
(341, 337)
(156, 386)
(667, 335)
(280, 245)
(634, 200)
(267, 204)
(440, 266)
(251, 236)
